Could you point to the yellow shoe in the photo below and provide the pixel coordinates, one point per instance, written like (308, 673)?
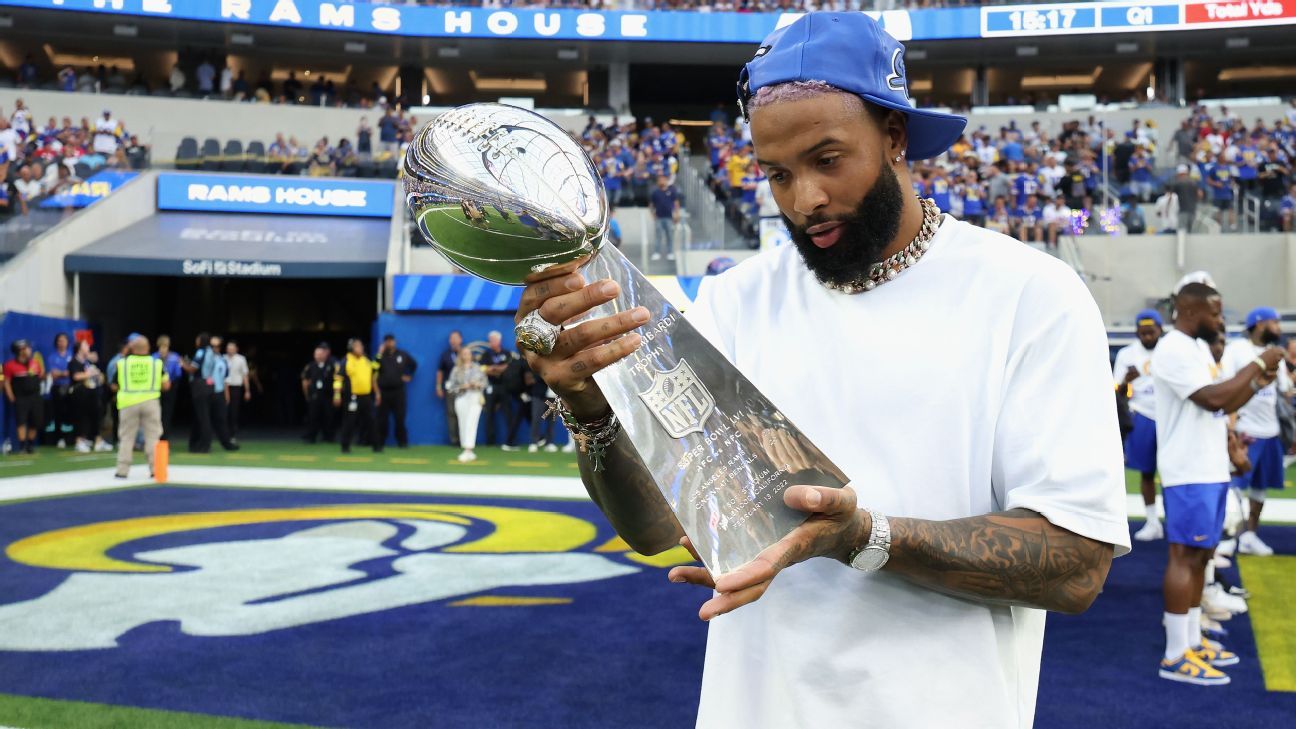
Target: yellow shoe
(1214, 654)
(1190, 668)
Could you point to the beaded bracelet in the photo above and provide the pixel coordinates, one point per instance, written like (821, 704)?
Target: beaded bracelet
(593, 439)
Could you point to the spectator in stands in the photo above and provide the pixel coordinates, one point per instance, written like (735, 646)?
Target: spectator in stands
(1030, 221)
(1141, 179)
(292, 88)
(241, 88)
(206, 76)
(1000, 220)
(666, 213)
(466, 384)
(226, 86)
(388, 127)
(344, 158)
(176, 79)
(1057, 220)
(23, 374)
(1220, 178)
(364, 137)
(27, 73)
(67, 79)
(29, 183)
(1274, 174)
(321, 160)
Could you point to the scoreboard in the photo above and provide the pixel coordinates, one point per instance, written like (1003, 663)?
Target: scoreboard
(1124, 17)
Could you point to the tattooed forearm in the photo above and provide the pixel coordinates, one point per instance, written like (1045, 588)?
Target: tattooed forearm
(1009, 558)
(624, 491)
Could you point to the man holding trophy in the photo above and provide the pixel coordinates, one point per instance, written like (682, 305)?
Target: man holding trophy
(914, 596)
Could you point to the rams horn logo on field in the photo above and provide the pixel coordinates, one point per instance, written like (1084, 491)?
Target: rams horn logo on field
(345, 560)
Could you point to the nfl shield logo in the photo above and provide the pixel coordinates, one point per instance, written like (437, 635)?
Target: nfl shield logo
(679, 400)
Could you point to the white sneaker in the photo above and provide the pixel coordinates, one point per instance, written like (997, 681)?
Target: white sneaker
(551, 448)
(103, 446)
(1227, 547)
(472, 456)
(656, 256)
(1249, 543)
(569, 448)
(1215, 596)
(533, 448)
(62, 444)
(670, 256)
(1221, 562)
(1151, 531)
(465, 456)
(83, 446)
(509, 448)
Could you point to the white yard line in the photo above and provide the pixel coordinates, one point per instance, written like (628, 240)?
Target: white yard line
(447, 484)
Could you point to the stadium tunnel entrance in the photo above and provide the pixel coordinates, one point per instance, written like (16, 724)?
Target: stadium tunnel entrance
(276, 285)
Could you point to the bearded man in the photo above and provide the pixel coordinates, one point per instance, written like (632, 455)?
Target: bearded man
(977, 501)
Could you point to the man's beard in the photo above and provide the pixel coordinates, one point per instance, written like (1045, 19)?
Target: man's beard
(1269, 336)
(1207, 332)
(865, 235)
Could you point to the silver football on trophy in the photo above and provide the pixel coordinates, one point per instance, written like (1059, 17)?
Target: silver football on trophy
(503, 192)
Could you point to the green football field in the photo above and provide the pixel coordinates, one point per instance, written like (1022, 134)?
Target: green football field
(293, 454)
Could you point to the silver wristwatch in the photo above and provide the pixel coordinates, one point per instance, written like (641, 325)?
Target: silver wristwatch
(874, 555)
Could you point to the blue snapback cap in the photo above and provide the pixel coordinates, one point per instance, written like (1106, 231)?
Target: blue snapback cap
(850, 51)
(1259, 314)
(1148, 316)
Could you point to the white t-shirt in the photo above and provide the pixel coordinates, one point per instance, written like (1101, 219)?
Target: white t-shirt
(1192, 442)
(1259, 417)
(1009, 407)
(1143, 391)
(105, 137)
(238, 370)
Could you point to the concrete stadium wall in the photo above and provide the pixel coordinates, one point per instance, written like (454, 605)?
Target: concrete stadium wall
(34, 281)
(1127, 273)
(163, 122)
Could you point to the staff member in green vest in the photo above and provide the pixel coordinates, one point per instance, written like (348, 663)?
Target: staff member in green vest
(141, 379)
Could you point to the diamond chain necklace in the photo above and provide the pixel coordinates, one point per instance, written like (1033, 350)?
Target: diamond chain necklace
(888, 269)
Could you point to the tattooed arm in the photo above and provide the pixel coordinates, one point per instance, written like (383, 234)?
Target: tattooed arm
(624, 491)
(1012, 557)
(1008, 558)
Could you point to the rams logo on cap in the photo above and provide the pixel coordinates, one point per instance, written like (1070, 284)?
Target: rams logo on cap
(761, 51)
(896, 80)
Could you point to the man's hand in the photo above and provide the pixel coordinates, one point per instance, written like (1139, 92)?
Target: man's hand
(585, 348)
(1132, 374)
(247, 395)
(835, 527)
(440, 392)
(1271, 357)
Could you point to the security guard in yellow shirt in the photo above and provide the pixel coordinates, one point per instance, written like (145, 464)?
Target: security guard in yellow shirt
(141, 379)
(356, 385)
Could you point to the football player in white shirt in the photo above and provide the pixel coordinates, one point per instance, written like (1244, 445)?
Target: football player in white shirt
(1257, 422)
(1133, 370)
(1193, 459)
(1004, 493)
